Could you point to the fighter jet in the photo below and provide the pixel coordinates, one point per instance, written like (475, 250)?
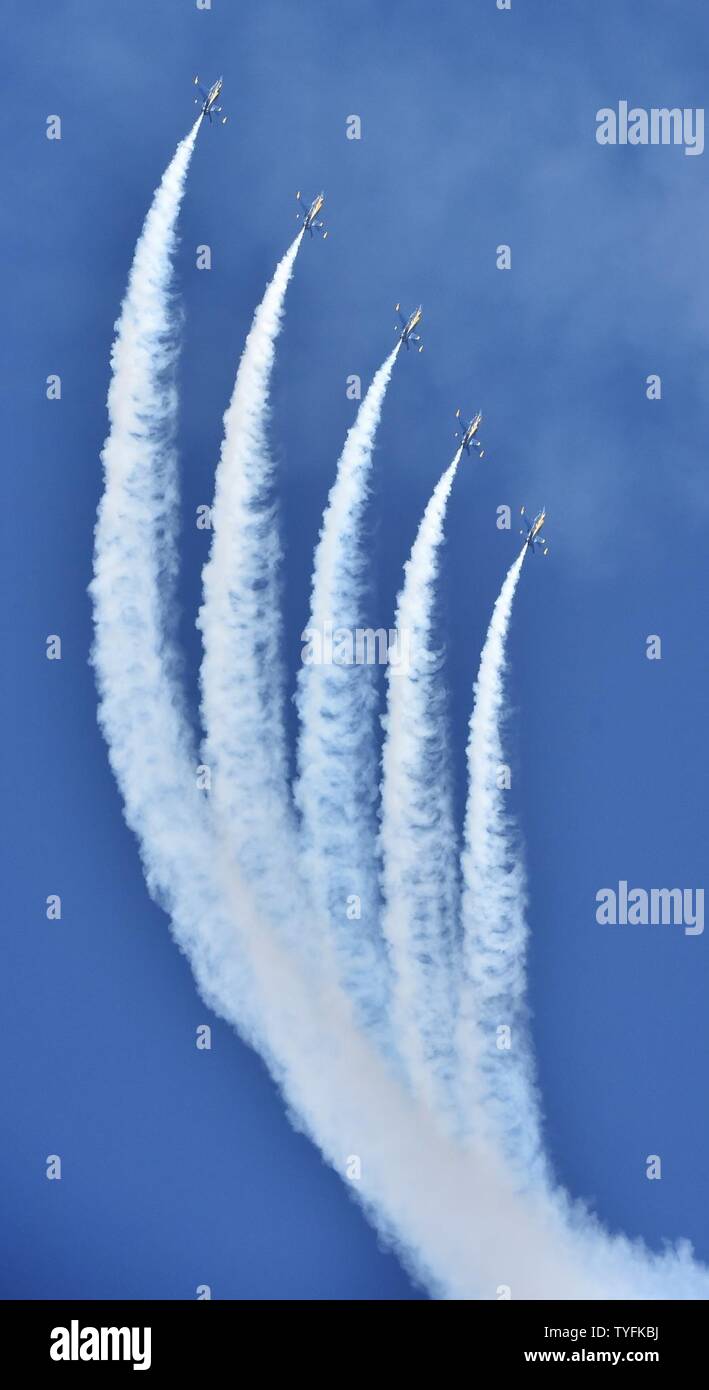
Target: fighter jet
(209, 98)
(406, 332)
(466, 434)
(533, 537)
(309, 215)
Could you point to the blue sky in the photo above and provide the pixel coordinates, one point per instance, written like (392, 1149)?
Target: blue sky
(478, 128)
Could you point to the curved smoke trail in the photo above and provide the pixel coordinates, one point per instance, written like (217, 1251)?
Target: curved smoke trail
(417, 838)
(336, 788)
(242, 671)
(140, 709)
(493, 1036)
(135, 553)
(451, 1213)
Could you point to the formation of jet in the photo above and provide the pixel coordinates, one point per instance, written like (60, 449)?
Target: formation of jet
(310, 215)
(466, 433)
(209, 98)
(406, 331)
(533, 538)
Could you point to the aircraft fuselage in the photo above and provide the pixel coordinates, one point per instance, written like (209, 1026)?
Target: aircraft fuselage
(212, 94)
(313, 211)
(412, 324)
(472, 430)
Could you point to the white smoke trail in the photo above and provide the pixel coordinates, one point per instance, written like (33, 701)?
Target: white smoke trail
(337, 775)
(242, 671)
(418, 839)
(451, 1214)
(140, 711)
(135, 562)
(493, 1034)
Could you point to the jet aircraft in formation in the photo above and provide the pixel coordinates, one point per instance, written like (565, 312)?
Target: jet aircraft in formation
(407, 332)
(466, 433)
(209, 98)
(310, 214)
(533, 538)
(406, 329)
